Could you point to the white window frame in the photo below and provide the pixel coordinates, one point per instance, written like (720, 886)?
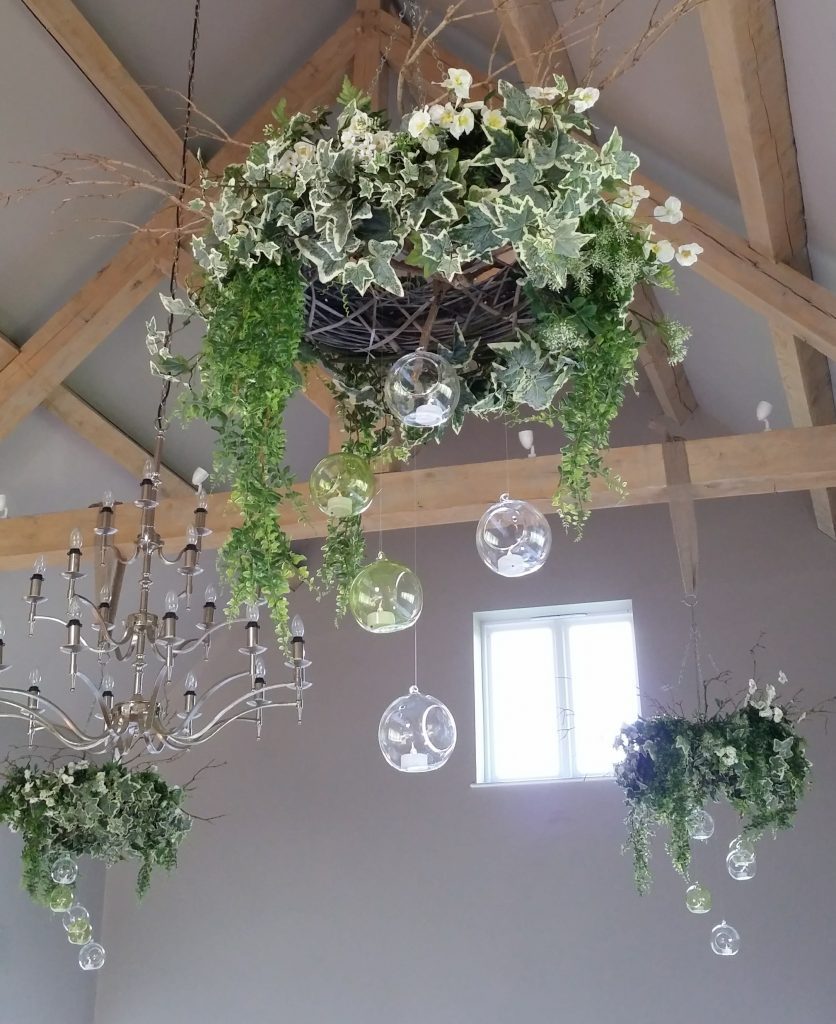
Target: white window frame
(558, 617)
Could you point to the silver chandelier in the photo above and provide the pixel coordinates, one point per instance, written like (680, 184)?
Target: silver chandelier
(151, 645)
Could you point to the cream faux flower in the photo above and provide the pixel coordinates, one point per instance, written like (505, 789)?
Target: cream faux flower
(463, 123)
(540, 92)
(459, 80)
(419, 123)
(288, 164)
(638, 192)
(447, 118)
(687, 255)
(436, 112)
(304, 150)
(382, 141)
(671, 212)
(493, 119)
(663, 250)
(777, 714)
(584, 98)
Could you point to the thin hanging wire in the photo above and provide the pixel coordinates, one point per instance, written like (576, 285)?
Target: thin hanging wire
(178, 213)
(507, 460)
(415, 563)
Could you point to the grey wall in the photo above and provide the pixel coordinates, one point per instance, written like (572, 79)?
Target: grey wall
(336, 889)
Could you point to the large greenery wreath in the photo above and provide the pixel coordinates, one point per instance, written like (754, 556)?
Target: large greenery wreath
(750, 756)
(366, 208)
(108, 812)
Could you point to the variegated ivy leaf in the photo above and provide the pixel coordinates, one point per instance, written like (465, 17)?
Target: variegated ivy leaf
(522, 176)
(564, 236)
(503, 146)
(435, 202)
(512, 220)
(380, 259)
(328, 262)
(460, 353)
(359, 274)
(517, 106)
(618, 163)
(479, 230)
(177, 306)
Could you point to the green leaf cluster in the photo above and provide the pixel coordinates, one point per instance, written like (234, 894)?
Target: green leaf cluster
(107, 812)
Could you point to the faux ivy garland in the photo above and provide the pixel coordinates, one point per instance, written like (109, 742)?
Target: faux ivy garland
(369, 208)
(106, 812)
(751, 756)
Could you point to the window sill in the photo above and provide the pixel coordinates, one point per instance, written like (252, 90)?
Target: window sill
(541, 782)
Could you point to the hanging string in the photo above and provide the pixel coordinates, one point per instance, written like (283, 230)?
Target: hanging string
(178, 211)
(415, 562)
(507, 459)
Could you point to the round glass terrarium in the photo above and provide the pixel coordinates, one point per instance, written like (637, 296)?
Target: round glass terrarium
(91, 957)
(700, 825)
(698, 899)
(64, 870)
(342, 485)
(417, 733)
(725, 940)
(422, 389)
(513, 538)
(740, 865)
(385, 596)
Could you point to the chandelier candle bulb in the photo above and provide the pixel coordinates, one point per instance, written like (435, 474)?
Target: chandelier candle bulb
(200, 513)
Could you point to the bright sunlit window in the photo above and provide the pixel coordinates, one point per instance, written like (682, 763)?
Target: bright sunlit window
(553, 688)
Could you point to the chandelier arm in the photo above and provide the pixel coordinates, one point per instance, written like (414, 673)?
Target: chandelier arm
(239, 700)
(93, 688)
(170, 561)
(201, 702)
(50, 618)
(128, 561)
(105, 625)
(209, 732)
(28, 714)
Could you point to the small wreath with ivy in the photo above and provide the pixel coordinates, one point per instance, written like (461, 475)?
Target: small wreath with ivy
(366, 209)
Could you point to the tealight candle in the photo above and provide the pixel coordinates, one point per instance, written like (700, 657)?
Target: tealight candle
(338, 506)
(413, 761)
(380, 618)
(510, 564)
(429, 415)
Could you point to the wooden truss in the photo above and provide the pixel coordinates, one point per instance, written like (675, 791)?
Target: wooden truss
(768, 272)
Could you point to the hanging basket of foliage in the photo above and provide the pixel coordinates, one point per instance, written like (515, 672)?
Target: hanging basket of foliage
(494, 233)
(751, 757)
(109, 813)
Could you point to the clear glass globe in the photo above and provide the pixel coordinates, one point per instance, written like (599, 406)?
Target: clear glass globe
(385, 596)
(741, 866)
(513, 538)
(75, 916)
(417, 733)
(422, 389)
(743, 847)
(342, 485)
(64, 870)
(91, 957)
(700, 825)
(725, 940)
(698, 899)
(80, 933)
(61, 899)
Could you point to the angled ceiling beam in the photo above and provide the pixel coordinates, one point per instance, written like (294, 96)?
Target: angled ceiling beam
(83, 323)
(91, 55)
(747, 63)
(75, 413)
(718, 467)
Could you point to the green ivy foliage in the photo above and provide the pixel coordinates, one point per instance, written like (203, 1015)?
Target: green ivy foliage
(751, 757)
(107, 812)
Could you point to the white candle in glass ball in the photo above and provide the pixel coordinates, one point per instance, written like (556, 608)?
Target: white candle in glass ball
(338, 506)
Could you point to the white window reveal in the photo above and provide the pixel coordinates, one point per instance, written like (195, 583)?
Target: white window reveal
(553, 688)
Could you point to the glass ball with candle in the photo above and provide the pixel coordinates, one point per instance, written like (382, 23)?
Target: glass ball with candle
(422, 389)
(417, 733)
(385, 596)
(342, 485)
(513, 538)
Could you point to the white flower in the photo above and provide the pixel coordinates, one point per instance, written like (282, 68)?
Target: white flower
(671, 212)
(777, 714)
(304, 150)
(493, 119)
(638, 192)
(583, 99)
(447, 117)
(728, 756)
(753, 686)
(782, 678)
(663, 250)
(348, 137)
(436, 110)
(419, 123)
(459, 80)
(463, 124)
(539, 92)
(359, 123)
(687, 255)
(382, 141)
(288, 163)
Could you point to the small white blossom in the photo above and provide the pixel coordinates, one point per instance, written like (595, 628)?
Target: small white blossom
(777, 714)
(671, 212)
(419, 123)
(359, 123)
(753, 686)
(288, 163)
(436, 112)
(782, 678)
(663, 250)
(687, 255)
(459, 80)
(638, 192)
(584, 98)
(493, 119)
(382, 141)
(304, 150)
(728, 756)
(463, 124)
(539, 92)
(447, 117)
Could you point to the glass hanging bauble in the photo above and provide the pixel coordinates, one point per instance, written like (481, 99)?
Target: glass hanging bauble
(740, 866)
(75, 916)
(743, 848)
(91, 957)
(64, 870)
(80, 933)
(698, 899)
(417, 733)
(385, 596)
(61, 899)
(513, 538)
(342, 485)
(700, 825)
(422, 389)
(725, 940)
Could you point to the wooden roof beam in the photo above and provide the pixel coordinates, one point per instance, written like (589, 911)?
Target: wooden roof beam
(718, 467)
(747, 63)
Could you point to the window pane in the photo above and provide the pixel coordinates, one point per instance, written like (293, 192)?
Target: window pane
(522, 704)
(602, 671)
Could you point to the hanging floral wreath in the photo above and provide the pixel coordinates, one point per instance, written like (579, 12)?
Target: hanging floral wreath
(750, 756)
(496, 231)
(109, 812)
